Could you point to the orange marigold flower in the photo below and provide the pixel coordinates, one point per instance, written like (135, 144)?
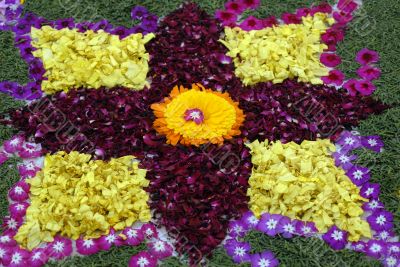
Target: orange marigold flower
(197, 116)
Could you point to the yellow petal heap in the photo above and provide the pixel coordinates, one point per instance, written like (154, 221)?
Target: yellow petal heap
(219, 117)
(279, 52)
(302, 182)
(90, 59)
(74, 195)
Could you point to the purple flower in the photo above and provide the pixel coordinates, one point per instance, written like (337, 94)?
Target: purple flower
(306, 229)
(239, 251)
(370, 190)
(384, 235)
(38, 258)
(289, 18)
(376, 248)
(235, 7)
(237, 228)
(250, 220)
(391, 261)
(224, 59)
(227, 18)
(286, 227)
(381, 220)
(358, 175)
(148, 26)
(344, 160)
(36, 70)
(65, 23)
(372, 142)
(34, 91)
(394, 248)
(369, 73)
(303, 12)
(22, 27)
(121, 31)
(19, 192)
(330, 59)
(30, 151)
(59, 248)
(87, 247)
(348, 141)
(366, 56)
(373, 205)
(143, 259)
(139, 12)
(336, 238)
(21, 93)
(365, 87)
(18, 209)
(5, 254)
(8, 87)
(25, 50)
(101, 25)
(269, 224)
(160, 249)
(134, 237)
(264, 259)
(251, 23)
(359, 246)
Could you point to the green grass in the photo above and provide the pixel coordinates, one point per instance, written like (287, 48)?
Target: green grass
(376, 27)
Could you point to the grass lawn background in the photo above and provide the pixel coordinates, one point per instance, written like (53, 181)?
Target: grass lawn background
(377, 26)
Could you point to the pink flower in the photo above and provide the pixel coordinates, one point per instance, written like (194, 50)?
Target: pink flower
(14, 144)
(19, 192)
(38, 258)
(323, 8)
(149, 230)
(235, 7)
(18, 209)
(28, 169)
(269, 22)
(11, 223)
(250, 4)
(251, 23)
(303, 12)
(134, 237)
(19, 258)
(365, 87)
(30, 151)
(5, 254)
(105, 242)
(7, 239)
(59, 248)
(350, 86)
(347, 6)
(160, 249)
(330, 59)
(143, 259)
(332, 36)
(224, 59)
(342, 17)
(87, 247)
(335, 77)
(369, 73)
(227, 18)
(3, 157)
(366, 56)
(290, 18)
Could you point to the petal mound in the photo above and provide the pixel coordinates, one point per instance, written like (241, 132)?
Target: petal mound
(91, 59)
(302, 182)
(74, 195)
(279, 52)
(197, 116)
